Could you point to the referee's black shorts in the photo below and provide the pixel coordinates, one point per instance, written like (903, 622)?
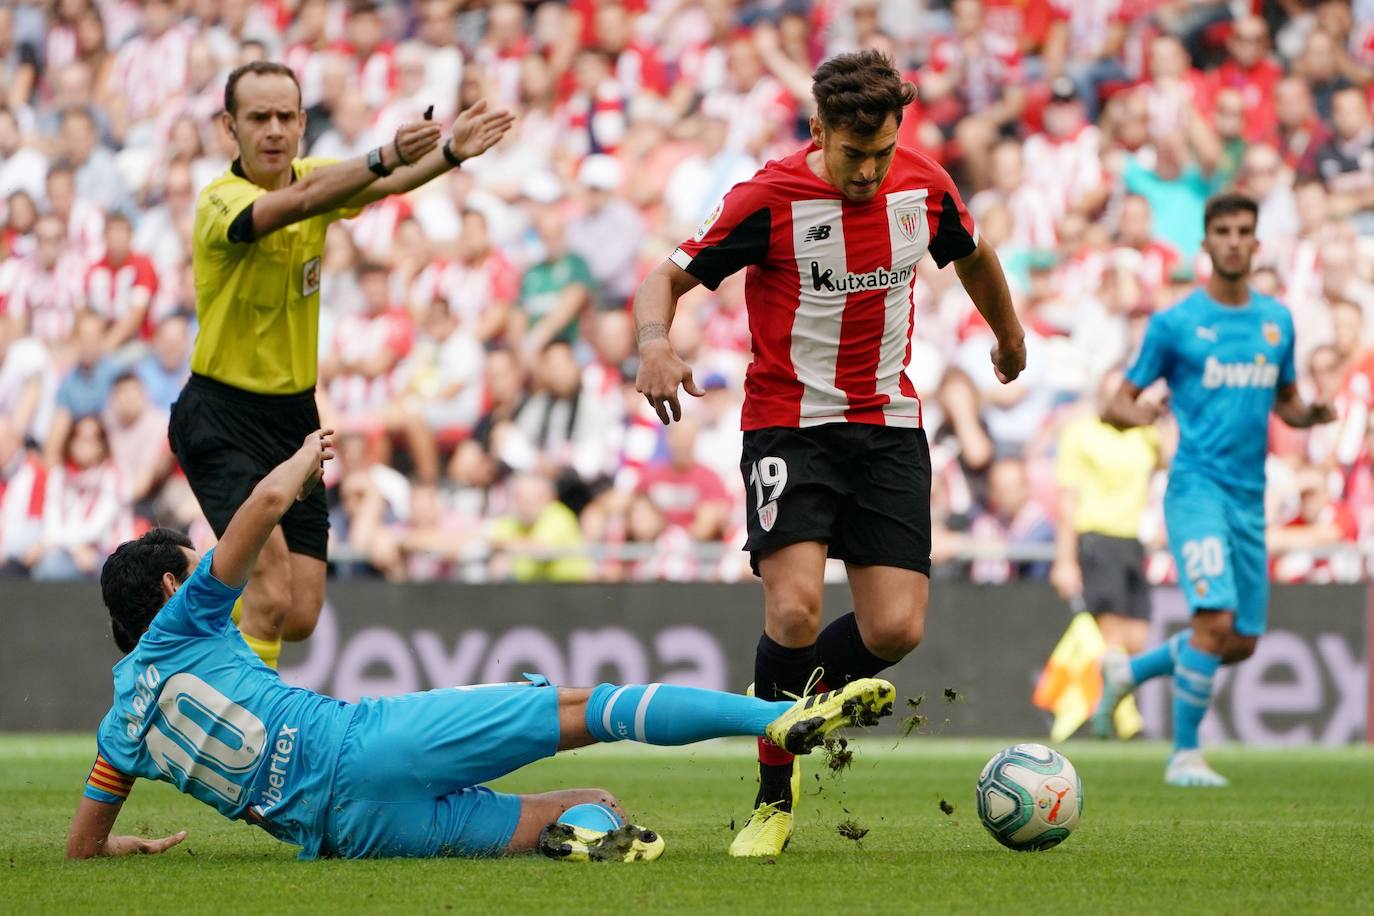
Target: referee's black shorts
(228, 439)
(1113, 575)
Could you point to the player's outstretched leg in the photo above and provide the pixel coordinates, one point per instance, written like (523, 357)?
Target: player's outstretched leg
(1121, 675)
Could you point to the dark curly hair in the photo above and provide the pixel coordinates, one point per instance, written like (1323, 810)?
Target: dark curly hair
(131, 582)
(857, 92)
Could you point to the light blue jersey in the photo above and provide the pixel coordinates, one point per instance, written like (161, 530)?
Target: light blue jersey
(1224, 365)
(195, 707)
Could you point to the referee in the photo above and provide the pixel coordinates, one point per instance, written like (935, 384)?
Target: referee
(250, 401)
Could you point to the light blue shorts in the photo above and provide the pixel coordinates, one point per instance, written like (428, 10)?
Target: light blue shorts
(1217, 538)
(409, 772)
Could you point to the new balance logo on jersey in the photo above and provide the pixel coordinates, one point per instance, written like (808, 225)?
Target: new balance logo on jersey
(881, 278)
(817, 233)
(1257, 374)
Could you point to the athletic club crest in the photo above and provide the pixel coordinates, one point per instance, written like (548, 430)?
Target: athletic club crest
(768, 515)
(1272, 333)
(909, 222)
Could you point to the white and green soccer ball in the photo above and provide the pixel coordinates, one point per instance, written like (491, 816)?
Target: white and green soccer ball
(1029, 797)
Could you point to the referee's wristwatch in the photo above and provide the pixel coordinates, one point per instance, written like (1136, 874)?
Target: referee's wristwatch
(375, 163)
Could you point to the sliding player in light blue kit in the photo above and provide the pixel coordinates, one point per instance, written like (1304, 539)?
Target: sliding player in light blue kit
(398, 776)
(1226, 353)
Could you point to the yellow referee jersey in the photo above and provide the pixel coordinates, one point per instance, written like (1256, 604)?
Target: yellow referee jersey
(258, 303)
(1109, 469)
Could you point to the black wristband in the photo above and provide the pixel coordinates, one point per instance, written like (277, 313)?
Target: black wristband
(400, 157)
(375, 163)
(451, 156)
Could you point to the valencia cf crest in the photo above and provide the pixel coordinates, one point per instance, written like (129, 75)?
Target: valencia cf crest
(909, 222)
(1272, 333)
(768, 515)
(1201, 588)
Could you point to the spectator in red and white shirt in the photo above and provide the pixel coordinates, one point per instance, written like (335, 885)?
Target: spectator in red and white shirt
(1301, 544)
(373, 54)
(83, 220)
(85, 508)
(44, 291)
(367, 349)
(1175, 91)
(121, 286)
(1249, 70)
(595, 116)
(480, 287)
(637, 67)
(757, 107)
(23, 478)
(690, 495)
(1150, 259)
(1013, 519)
(1065, 158)
(150, 69)
(1032, 206)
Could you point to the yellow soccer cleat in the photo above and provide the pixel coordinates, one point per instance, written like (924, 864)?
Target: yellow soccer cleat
(804, 727)
(626, 843)
(769, 829)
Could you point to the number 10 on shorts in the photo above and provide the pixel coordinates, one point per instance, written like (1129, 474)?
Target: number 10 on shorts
(1203, 558)
(769, 474)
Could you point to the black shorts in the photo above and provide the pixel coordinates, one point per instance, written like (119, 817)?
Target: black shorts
(861, 489)
(1113, 576)
(228, 439)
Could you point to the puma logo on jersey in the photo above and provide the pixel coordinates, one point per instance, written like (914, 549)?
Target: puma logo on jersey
(1209, 334)
(817, 233)
(1256, 374)
(882, 278)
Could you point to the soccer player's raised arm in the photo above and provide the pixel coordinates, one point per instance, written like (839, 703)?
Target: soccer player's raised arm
(660, 369)
(293, 479)
(332, 186)
(981, 274)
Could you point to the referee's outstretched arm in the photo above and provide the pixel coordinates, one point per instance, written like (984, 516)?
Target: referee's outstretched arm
(333, 186)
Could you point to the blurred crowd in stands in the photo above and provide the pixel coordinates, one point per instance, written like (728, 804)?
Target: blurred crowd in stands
(476, 349)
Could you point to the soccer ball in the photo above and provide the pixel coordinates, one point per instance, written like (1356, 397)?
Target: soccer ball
(1029, 797)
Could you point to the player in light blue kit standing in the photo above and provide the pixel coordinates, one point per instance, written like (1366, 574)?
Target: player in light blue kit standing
(398, 776)
(1226, 353)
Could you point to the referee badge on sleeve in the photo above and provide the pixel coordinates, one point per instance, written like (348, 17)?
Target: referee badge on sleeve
(310, 277)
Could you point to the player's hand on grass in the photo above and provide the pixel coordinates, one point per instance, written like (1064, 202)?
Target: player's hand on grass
(416, 139)
(319, 447)
(138, 846)
(477, 130)
(1008, 359)
(660, 374)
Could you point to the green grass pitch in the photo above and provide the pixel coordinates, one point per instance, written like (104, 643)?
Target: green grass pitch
(1294, 834)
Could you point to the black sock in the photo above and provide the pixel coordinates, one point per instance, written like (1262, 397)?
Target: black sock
(840, 650)
(778, 671)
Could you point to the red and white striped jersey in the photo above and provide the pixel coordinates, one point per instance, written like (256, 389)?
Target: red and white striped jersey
(114, 291)
(829, 284)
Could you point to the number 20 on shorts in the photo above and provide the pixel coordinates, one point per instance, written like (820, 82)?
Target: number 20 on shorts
(1203, 558)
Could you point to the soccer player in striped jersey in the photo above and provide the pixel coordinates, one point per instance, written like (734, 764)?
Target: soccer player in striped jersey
(835, 462)
(397, 776)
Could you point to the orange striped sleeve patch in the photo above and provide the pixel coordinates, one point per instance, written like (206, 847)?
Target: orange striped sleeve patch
(107, 779)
